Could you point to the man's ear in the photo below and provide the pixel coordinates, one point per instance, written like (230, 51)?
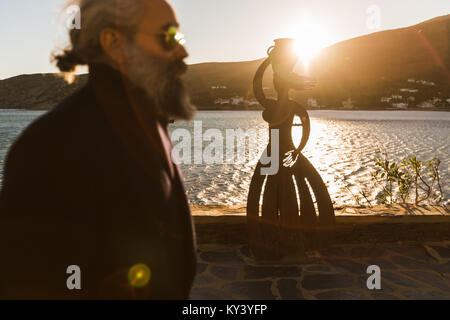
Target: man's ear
(112, 42)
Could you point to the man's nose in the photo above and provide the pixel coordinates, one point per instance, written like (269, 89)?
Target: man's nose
(181, 52)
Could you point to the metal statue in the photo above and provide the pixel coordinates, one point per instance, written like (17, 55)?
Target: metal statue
(296, 213)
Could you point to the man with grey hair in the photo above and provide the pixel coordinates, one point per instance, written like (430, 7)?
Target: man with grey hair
(92, 205)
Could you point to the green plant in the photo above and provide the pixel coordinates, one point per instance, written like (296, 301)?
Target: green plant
(362, 194)
(399, 180)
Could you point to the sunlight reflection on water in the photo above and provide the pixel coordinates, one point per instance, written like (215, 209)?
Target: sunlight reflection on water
(341, 146)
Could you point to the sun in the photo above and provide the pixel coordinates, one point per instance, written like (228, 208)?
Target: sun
(310, 38)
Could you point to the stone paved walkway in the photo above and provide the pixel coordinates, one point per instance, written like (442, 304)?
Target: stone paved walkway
(408, 271)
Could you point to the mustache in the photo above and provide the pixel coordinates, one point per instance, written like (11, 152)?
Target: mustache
(178, 67)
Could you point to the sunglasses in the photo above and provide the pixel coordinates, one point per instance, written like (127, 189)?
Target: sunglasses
(171, 38)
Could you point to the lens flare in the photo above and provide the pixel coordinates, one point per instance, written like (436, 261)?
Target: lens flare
(139, 275)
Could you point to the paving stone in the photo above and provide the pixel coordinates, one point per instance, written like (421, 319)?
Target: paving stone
(331, 252)
(204, 280)
(224, 273)
(209, 294)
(367, 252)
(326, 281)
(377, 295)
(412, 273)
(299, 261)
(246, 251)
(443, 252)
(341, 295)
(348, 265)
(399, 279)
(201, 267)
(252, 290)
(224, 258)
(319, 268)
(431, 279)
(442, 268)
(260, 272)
(288, 290)
(425, 295)
(384, 264)
(408, 263)
(415, 252)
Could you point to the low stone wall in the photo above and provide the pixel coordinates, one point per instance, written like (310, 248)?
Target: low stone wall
(227, 225)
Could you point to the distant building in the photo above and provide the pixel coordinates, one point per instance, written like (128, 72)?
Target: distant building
(411, 80)
(409, 90)
(218, 87)
(348, 104)
(431, 103)
(312, 103)
(426, 83)
(222, 101)
(252, 102)
(426, 104)
(400, 105)
(237, 100)
(397, 96)
(411, 101)
(386, 99)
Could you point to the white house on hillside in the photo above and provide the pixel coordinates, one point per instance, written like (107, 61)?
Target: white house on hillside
(348, 104)
(409, 90)
(430, 103)
(426, 83)
(222, 101)
(312, 103)
(251, 102)
(218, 87)
(237, 100)
(400, 105)
(426, 104)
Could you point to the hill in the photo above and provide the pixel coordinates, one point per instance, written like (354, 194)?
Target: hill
(383, 63)
(405, 66)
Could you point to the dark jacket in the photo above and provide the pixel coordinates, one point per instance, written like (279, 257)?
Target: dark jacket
(91, 184)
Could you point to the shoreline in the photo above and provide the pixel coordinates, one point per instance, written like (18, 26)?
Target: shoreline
(45, 108)
(394, 210)
(227, 225)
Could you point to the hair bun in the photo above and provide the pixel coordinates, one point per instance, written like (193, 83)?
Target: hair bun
(68, 60)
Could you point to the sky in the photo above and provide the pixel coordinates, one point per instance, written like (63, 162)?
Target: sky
(217, 30)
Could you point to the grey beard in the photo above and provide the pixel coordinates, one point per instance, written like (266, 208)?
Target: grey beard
(161, 83)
